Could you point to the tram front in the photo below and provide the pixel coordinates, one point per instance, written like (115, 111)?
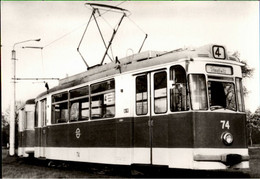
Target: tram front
(219, 119)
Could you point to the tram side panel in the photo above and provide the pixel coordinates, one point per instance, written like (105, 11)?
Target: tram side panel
(30, 132)
(37, 137)
(21, 116)
(172, 140)
(56, 141)
(97, 142)
(26, 131)
(124, 122)
(103, 140)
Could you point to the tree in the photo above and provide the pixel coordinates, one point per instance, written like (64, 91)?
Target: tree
(253, 119)
(253, 124)
(5, 124)
(249, 126)
(4, 120)
(247, 71)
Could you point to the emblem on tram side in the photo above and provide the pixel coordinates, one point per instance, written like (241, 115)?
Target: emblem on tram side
(77, 133)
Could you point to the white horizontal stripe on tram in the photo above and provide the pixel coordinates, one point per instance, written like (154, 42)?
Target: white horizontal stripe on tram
(94, 155)
(172, 157)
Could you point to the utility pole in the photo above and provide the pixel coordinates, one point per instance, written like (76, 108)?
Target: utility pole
(13, 101)
(12, 109)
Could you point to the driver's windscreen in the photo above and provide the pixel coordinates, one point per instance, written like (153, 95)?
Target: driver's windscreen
(221, 95)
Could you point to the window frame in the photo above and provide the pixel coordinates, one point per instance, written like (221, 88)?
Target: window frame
(235, 93)
(36, 117)
(172, 81)
(53, 117)
(206, 91)
(29, 123)
(79, 100)
(241, 91)
(102, 106)
(166, 94)
(147, 96)
(43, 114)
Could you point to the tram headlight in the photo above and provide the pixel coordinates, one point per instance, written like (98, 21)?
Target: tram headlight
(227, 138)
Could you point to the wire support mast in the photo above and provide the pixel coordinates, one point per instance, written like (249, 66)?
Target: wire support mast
(95, 9)
(35, 78)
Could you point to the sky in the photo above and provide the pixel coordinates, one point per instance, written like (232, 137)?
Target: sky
(169, 25)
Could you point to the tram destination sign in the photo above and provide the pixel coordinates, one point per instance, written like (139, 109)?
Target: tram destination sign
(225, 70)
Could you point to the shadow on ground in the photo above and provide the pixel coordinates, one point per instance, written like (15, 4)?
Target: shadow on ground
(98, 170)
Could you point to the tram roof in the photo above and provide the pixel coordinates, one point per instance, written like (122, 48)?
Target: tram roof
(134, 62)
(29, 101)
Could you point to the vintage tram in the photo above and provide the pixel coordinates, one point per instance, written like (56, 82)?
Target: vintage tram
(180, 109)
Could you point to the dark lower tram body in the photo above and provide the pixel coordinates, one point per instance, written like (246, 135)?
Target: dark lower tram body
(26, 143)
(191, 140)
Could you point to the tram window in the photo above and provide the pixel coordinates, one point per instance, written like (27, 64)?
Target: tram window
(60, 97)
(103, 86)
(178, 92)
(60, 113)
(221, 95)
(29, 122)
(36, 115)
(160, 92)
(197, 83)
(43, 112)
(240, 98)
(20, 120)
(103, 100)
(79, 104)
(141, 95)
(74, 112)
(80, 92)
(60, 108)
(84, 112)
(79, 110)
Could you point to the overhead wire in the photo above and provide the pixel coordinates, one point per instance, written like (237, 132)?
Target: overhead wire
(43, 70)
(61, 37)
(136, 25)
(146, 35)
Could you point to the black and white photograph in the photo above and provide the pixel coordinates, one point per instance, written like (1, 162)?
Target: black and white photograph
(130, 89)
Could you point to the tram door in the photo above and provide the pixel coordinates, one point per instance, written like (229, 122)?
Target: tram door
(43, 127)
(150, 98)
(159, 121)
(142, 120)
